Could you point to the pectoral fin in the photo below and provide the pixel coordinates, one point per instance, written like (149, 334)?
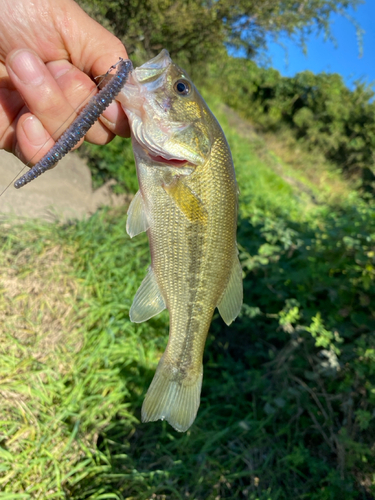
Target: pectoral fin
(231, 300)
(137, 220)
(148, 300)
(189, 204)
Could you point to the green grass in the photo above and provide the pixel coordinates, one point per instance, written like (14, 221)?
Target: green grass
(288, 398)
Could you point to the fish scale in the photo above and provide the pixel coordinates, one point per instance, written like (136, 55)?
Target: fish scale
(190, 215)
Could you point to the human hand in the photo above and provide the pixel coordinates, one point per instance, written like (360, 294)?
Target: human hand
(47, 51)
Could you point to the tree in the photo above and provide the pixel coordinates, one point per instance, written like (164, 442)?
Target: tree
(197, 30)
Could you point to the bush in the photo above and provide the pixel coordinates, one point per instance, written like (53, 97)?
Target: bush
(320, 110)
(112, 161)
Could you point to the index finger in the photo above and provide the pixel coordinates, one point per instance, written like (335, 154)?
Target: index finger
(94, 50)
(91, 47)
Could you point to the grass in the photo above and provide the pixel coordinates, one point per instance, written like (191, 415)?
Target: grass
(288, 399)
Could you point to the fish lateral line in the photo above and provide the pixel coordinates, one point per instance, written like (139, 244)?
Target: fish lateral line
(81, 125)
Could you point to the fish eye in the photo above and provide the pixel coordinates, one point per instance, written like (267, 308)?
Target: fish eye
(182, 87)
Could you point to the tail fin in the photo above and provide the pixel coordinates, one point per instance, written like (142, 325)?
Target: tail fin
(173, 398)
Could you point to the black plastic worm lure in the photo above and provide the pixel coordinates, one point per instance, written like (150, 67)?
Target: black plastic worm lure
(78, 129)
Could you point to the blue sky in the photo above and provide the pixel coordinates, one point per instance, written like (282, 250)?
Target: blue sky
(324, 56)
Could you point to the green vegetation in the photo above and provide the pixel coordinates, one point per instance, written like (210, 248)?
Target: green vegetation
(288, 402)
(318, 111)
(197, 31)
(315, 113)
(114, 161)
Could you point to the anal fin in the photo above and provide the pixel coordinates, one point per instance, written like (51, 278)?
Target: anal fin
(231, 301)
(148, 300)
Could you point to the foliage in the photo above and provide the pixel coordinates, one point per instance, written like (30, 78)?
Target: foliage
(323, 114)
(112, 161)
(197, 30)
(320, 293)
(288, 402)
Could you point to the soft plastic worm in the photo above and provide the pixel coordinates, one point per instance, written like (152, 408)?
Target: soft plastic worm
(81, 124)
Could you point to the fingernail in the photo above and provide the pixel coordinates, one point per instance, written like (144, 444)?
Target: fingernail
(27, 67)
(34, 131)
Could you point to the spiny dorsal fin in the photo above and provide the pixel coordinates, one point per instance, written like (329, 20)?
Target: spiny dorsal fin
(231, 301)
(148, 300)
(137, 219)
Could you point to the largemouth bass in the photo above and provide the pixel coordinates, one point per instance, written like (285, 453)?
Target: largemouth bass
(187, 203)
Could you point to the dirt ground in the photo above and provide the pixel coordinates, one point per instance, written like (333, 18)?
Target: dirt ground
(63, 193)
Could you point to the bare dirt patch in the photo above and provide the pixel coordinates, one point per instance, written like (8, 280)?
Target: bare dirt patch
(63, 193)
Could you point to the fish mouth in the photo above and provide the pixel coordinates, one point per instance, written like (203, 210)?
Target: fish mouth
(156, 151)
(167, 160)
(173, 162)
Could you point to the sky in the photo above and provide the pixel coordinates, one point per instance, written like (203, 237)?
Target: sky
(324, 56)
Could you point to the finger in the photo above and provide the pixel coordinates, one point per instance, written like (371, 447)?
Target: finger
(78, 88)
(116, 120)
(43, 98)
(10, 105)
(31, 138)
(94, 49)
(91, 48)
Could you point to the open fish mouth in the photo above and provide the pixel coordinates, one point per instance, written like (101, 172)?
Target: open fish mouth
(163, 152)
(162, 158)
(157, 142)
(173, 162)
